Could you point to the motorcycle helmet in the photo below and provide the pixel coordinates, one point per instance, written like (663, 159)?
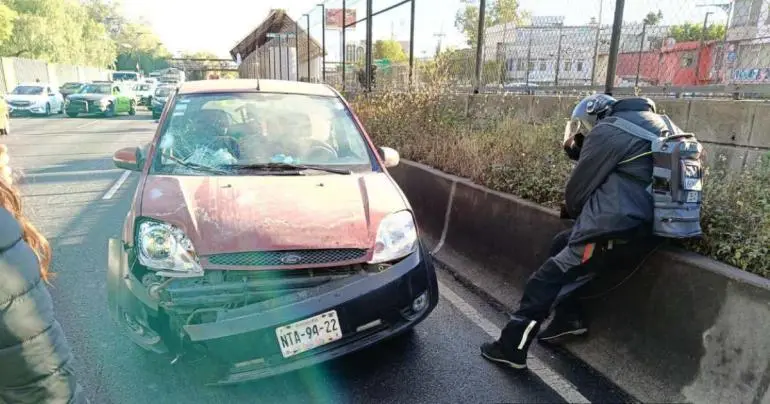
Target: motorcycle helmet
(584, 117)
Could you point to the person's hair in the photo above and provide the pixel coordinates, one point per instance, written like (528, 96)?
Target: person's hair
(10, 199)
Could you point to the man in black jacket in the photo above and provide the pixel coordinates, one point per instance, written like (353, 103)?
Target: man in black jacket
(613, 214)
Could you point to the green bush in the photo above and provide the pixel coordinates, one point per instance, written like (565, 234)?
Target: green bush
(525, 159)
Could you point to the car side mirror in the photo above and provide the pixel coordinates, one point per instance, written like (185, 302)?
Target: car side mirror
(390, 157)
(129, 158)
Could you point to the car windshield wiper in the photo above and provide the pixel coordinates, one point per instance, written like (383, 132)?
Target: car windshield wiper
(195, 166)
(288, 166)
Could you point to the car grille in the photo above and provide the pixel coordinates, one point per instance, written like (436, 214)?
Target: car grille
(20, 103)
(284, 258)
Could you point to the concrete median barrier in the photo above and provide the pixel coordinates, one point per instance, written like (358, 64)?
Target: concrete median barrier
(683, 328)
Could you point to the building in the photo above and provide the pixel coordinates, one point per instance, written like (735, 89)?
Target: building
(673, 65)
(270, 51)
(355, 51)
(531, 53)
(747, 59)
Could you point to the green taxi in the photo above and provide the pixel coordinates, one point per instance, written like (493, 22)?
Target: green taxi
(102, 98)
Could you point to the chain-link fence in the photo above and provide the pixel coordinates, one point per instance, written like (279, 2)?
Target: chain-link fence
(661, 47)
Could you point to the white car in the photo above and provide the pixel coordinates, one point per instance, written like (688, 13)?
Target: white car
(144, 92)
(35, 98)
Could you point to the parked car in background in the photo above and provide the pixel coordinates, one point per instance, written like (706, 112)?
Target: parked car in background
(266, 231)
(69, 88)
(161, 95)
(101, 97)
(36, 99)
(5, 121)
(125, 76)
(144, 93)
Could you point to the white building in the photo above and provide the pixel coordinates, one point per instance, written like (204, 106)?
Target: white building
(748, 48)
(532, 52)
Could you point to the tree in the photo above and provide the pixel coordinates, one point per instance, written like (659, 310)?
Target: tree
(692, 32)
(653, 18)
(498, 12)
(389, 49)
(7, 18)
(138, 45)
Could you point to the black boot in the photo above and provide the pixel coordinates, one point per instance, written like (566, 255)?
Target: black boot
(565, 323)
(511, 349)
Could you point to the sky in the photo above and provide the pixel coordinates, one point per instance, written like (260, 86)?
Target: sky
(217, 26)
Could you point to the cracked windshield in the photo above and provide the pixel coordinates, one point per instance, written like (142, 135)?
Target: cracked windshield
(384, 201)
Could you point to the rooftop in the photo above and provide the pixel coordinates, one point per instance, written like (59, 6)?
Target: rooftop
(270, 86)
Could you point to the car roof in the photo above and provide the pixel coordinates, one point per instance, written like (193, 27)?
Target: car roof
(33, 85)
(269, 86)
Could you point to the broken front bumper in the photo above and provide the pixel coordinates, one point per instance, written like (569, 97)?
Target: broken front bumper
(370, 307)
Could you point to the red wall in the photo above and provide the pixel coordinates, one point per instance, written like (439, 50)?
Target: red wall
(662, 68)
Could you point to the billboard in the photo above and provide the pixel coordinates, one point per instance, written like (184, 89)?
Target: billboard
(334, 18)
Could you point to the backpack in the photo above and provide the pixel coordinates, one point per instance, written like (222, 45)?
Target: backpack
(677, 177)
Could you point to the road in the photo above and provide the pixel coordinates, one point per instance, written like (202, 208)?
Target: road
(79, 199)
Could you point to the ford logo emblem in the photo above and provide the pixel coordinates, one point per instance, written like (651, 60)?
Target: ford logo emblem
(290, 259)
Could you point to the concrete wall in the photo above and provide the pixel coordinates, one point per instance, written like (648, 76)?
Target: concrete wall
(684, 328)
(14, 71)
(736, 133)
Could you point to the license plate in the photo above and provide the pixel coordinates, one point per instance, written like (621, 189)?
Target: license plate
(309, 333)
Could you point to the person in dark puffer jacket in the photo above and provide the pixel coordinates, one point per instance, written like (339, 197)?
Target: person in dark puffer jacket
(35, 359)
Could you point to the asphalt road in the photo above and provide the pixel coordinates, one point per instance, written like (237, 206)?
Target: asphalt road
(67, 178)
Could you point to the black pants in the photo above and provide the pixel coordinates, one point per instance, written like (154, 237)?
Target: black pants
(561, 280)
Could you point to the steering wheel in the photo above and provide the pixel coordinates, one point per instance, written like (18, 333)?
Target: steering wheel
(320, 151)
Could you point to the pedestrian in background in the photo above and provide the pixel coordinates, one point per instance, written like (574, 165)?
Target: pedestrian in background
(35, 358)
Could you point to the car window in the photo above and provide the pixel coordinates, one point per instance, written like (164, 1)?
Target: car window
(226, 130)
(28, 90)
(96, 89)
(163, 92)
(70, 86)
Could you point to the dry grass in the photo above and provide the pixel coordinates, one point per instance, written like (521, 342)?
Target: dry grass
(526, 159)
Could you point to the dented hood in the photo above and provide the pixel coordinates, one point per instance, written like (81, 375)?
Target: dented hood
(259, 213)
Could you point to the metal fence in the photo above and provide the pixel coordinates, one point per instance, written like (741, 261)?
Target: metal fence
(662, 47)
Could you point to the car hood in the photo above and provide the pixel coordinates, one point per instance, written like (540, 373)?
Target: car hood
(273, 212)
(88, 97)
(24, 97)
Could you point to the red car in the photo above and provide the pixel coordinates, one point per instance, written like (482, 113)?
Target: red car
(265, 231)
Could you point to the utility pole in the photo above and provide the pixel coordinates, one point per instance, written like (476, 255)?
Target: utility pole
(440, 35)
(700, 46)
(641, 49)
(308, 46)
(529, 55)
(612, 59)
(558, 56)
(323, 41)
(596, 43)
(480, 45)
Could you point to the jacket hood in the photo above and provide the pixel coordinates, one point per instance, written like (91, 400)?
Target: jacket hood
(273, 212)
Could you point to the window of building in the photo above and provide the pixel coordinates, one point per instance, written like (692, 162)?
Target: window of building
(579, 65)
(543, 65)
(531, 66)
(567, 65)
(687, 59)
(746, 13)
(521, 65)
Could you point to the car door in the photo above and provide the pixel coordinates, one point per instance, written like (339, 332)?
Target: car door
(119, 100)
(52, 100)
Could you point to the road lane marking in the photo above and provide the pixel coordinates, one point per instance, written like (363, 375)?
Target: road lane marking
(87, 124)
(559, 384)
(111, 192)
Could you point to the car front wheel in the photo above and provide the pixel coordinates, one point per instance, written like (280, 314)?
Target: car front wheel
(47, 109)
(110, 112)
(132, 109)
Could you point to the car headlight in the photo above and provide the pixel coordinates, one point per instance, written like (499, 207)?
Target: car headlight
(165, 247)
(396, 237)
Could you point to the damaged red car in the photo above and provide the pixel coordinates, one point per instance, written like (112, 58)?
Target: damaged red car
(265, 232)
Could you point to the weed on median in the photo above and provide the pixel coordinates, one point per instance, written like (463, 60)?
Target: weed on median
(525, 159)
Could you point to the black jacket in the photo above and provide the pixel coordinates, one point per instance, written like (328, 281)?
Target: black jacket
(609, 200)
(35, 360)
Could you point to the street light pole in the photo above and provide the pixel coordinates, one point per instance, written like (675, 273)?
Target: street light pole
(700, 46)
(641, 49)
(596, 43)
(558, 57)
(307, 16)
(296, 50)
(323, 42)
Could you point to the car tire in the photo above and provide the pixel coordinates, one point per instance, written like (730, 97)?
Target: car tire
(141, 336)
(110, 112)
(155, 116)
(47, 110)
(72, 114)
(61, 108)
(132, 109)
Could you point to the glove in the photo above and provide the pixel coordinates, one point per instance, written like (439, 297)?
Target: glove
(563, 213)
